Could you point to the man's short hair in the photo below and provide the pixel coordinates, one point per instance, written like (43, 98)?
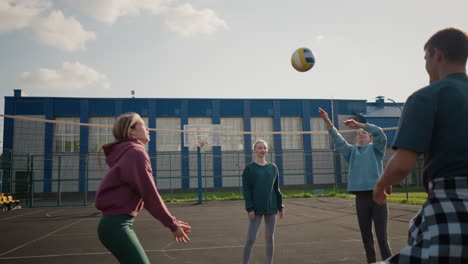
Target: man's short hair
(452, 42)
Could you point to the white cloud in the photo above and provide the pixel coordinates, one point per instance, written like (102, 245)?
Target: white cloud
(319, 37)
(65, 33)
(18, 14)
(53, 29)
(187, 21)
(72, 76)
(109, 11)
(182, 19)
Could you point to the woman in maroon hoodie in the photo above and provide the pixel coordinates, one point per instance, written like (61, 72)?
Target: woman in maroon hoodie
(128, 187)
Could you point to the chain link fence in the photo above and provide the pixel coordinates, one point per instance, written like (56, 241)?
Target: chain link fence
(72, 179)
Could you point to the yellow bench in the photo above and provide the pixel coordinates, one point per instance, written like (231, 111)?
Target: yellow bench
(4, 203)
(8, 203)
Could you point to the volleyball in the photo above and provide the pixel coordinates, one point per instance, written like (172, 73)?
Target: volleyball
(303, 59)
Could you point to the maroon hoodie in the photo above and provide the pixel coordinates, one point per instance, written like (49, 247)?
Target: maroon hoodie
(129, 184)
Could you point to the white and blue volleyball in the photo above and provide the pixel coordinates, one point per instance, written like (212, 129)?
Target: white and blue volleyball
(303, 59)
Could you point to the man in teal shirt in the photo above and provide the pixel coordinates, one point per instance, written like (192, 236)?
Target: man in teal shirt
(434, 124)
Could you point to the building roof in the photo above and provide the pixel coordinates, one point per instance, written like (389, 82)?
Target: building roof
(386, 111)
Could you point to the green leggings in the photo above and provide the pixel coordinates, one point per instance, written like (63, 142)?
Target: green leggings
(117, 235)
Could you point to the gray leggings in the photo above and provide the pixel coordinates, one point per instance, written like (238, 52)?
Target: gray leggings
(367, 210)
(270, 224)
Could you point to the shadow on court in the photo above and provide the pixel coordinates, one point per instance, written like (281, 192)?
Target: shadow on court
(314, 230)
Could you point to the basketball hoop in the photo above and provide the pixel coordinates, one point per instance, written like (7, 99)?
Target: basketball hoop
(202, 143)
(201, 135)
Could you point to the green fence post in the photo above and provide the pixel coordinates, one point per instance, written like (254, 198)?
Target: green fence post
(59, 176)
(238, 174)
(10, 187)
(30, 181)
(86, 181)
(170, 175)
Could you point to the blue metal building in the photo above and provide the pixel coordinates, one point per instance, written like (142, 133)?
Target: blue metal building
(41, 137)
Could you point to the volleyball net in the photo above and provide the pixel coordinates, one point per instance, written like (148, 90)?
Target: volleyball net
(62, 159)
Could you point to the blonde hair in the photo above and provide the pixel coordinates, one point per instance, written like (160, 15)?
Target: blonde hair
(259, 141)
(122, 125)
(121, 129)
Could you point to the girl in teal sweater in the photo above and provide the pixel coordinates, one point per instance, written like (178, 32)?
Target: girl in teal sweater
(263, 199)
(365, 168)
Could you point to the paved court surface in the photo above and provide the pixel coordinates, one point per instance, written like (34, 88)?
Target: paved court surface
(314, 230)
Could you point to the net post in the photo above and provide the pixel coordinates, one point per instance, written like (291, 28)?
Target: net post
(59, 178)
(200, 191)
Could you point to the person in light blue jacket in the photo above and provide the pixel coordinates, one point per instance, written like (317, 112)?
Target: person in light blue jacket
(364, 169)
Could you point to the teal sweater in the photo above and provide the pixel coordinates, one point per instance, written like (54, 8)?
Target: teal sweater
(365, 163)
(261, 191)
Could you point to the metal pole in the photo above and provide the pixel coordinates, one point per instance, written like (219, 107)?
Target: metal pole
(59, 175)
(239, 174)
(170, 174)
(86, 182)
(30, 182)
(406, 178)
(10, 190)
(199, 165)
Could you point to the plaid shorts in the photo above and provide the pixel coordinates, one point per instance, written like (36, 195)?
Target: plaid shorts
(439, 232)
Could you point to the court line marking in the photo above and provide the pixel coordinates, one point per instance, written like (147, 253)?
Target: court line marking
(21, 215)
(151, 250)
(37, 239)
(50, 214)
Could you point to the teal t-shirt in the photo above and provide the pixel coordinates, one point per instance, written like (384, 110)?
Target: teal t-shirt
(261, 190)
(434, 122)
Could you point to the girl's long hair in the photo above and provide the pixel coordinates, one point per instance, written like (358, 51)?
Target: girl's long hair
(121, 130)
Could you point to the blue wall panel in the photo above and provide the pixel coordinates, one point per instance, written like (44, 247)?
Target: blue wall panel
(168, 107)
(49, 145)
(29, 107)
(185, 151)
(313, 106)
(217, 155)
(66, 107)
(261, 107)
(291, 107)
(230, 108)
(200, 107)
(101, 107)
(139, 106)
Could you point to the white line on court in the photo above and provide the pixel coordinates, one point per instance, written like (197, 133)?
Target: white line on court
(50, 214)
(37, 239)
(151, 250)
(21, 215)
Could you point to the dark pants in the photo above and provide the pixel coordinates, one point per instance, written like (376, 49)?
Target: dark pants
(117, 235)
(368, 211)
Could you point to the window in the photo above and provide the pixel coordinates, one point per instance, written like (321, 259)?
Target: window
(233, 142)
(291, 124)
(67, 136)
(99, 136)
(168, 140)
(262, 124)
(322, 140)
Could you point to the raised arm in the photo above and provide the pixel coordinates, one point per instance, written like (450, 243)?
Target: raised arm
(338, 141)
(379, 139)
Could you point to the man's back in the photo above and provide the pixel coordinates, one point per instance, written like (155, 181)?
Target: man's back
(435, 123)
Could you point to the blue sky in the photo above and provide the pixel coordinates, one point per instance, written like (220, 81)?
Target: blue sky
(218, 48)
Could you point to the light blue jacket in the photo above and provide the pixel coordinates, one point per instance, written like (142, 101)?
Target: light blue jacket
(365, 163)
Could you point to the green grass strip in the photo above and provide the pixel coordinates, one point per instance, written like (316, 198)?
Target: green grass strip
(417, 196)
